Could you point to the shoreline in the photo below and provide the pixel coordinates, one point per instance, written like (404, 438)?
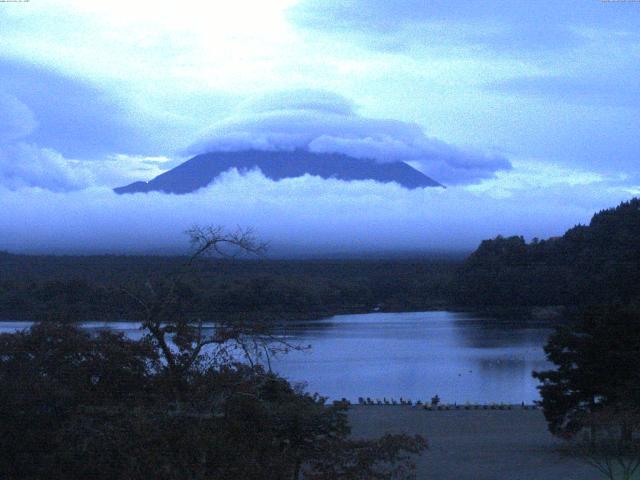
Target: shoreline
(426, 406)
(497, 313)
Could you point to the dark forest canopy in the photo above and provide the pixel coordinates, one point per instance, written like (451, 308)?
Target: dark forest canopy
(590, 264)
(92, 287)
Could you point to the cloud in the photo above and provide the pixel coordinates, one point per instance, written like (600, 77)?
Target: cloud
(24, 163)
(499, 26)
(16, 119)
(322, 121)
(535, 175)
(304, 99)
(305, 215)
(589, 88)
(73, 116)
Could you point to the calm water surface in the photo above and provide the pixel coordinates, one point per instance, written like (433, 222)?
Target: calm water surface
(458, 356)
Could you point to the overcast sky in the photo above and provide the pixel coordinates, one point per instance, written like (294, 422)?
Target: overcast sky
(528, 111)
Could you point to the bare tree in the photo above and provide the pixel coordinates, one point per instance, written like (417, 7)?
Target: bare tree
(186, 341)
(214, 240)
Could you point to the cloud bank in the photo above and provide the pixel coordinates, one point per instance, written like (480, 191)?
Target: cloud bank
(321, 121)
(50, 128)
(27, 165)
(305, 215)
(69, 115)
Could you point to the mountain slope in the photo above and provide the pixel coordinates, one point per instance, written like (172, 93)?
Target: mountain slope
(598, 263)
(203, 169)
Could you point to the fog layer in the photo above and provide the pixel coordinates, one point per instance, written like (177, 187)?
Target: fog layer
(305, 215)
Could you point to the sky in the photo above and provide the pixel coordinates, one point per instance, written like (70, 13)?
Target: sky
(528, 112)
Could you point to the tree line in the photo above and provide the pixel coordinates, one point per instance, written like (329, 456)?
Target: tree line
(92, 287)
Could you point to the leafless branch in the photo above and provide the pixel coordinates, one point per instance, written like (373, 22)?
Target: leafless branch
(215, 241)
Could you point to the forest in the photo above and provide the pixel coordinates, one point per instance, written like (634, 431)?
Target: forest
(82, 288)
(597, 263)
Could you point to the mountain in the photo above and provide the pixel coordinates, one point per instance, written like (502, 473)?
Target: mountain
(201, 170)
(590, 264)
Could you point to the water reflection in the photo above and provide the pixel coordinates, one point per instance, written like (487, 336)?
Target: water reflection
(459, 356)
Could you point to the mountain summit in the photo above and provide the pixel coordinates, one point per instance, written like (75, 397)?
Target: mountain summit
(201, 170)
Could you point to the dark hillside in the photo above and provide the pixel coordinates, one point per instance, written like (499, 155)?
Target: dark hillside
(598, 263)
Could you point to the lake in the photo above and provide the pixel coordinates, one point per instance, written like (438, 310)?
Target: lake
(460, 357)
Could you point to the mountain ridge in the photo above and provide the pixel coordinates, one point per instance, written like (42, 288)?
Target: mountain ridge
(201, 170)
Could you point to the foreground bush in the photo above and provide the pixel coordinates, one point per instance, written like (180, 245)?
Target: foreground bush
(74, 406)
